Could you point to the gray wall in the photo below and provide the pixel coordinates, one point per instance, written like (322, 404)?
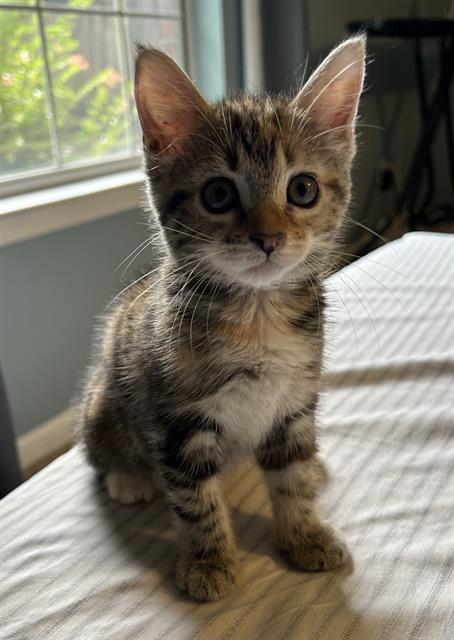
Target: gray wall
(51, 290)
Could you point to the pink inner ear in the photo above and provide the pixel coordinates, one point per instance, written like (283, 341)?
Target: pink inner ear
(341, 102)
(168, 104)
(165, 125)
(334, 100)
(331, 95)
(166, 136)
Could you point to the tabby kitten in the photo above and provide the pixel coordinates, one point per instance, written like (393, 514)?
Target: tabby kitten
(217, 353)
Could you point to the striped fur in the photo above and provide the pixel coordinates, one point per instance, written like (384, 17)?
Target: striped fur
(218, 353)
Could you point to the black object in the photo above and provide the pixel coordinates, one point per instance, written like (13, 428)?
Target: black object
(432, 110)
(10, 475)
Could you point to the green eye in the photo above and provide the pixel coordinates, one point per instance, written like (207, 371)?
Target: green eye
(302, 190)
(219, 195)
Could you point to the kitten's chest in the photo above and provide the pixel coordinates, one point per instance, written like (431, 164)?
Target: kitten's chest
(263, 391)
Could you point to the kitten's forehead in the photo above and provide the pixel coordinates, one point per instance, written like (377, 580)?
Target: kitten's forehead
(253, 132)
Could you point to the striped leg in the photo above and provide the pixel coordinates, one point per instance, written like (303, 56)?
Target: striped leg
(293, 475)
(206, 547)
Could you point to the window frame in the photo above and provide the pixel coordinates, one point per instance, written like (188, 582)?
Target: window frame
(24, 182)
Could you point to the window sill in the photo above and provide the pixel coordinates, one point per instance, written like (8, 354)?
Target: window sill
(31, 215)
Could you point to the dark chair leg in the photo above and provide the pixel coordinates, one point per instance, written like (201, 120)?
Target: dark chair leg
(448, 115)
(10, 475)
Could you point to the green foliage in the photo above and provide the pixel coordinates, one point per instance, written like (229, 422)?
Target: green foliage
(90, 107)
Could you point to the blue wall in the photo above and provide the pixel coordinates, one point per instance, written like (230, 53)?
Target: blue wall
(51, 290)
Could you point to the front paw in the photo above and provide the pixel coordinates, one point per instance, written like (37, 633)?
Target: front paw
(205, 580)
(129, 488)
(320, 549)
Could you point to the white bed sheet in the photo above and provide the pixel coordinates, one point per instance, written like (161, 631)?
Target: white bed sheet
(74, 565)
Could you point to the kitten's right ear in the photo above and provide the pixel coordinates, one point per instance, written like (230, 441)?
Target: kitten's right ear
(169, 105)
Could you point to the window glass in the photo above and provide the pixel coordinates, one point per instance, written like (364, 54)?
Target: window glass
(88, 84)
(25, 113)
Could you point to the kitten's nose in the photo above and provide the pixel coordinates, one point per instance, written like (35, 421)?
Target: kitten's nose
(268, 243)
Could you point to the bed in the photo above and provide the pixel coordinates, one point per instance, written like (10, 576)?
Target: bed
(74, 565)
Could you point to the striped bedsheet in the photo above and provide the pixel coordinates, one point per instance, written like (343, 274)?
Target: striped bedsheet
(74, 565)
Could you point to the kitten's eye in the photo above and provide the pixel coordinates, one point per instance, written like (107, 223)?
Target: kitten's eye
(219, 195)
(302, 190)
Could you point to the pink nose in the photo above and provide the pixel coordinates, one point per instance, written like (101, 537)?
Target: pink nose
(268, 243)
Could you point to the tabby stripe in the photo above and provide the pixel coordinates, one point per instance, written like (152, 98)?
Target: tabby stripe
(178, 198)
(207, 553)
(280, 449)
(312, 317)
(179, 430)
(277, 459)
(193, 516)
(179, 481)
(203, 470)
(219, 379)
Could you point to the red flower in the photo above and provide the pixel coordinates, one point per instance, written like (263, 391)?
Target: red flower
(113, 78)
(80, 61)
(7, 80)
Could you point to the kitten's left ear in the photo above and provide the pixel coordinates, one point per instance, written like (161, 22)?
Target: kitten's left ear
(169, 105)
(330, 97)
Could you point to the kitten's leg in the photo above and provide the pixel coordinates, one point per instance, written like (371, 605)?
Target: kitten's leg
(108, 445)
(206, 563)
(206, 560)
(293, 475)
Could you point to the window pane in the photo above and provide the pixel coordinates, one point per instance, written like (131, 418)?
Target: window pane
(159, 32)
(88, 84)
(161, 7)
(25, 141)
(17, 2)
(80, 4)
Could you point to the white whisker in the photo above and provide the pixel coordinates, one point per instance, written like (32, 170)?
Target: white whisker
(173, 271)
(342, 274)
(366, 228)
(193, 230)
(133, 251)
(189, 235)
(150, 241)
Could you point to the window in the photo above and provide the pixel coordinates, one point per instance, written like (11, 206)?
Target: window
(66, 74)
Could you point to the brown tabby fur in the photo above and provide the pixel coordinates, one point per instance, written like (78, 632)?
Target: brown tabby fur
(200, 364)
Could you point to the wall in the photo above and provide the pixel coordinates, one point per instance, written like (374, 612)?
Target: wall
(51, 290)
(390, 119)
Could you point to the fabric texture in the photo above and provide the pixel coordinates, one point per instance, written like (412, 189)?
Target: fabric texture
(73, 564)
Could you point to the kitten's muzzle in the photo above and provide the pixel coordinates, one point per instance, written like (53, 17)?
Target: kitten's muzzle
(268, 243)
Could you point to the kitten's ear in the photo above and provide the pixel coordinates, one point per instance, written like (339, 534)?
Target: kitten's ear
(168, 103)
(330, 97)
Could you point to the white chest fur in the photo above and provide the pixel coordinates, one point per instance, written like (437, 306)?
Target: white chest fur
(248, 406)
(247, 409)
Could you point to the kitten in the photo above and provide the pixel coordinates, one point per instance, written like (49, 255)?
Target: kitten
(217, 354)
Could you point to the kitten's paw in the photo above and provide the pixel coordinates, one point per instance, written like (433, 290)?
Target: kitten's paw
(319, 550)
(129, 488)
(205, 580)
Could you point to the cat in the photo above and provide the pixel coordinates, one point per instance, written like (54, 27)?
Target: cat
(217, 353)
